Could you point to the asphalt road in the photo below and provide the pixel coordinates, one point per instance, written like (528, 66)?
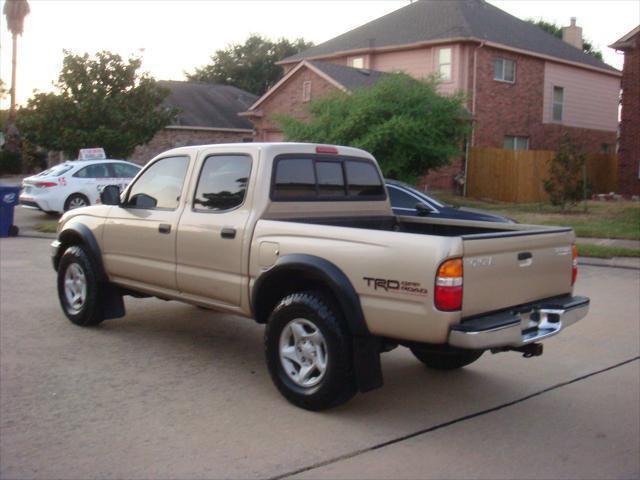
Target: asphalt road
(172, 391)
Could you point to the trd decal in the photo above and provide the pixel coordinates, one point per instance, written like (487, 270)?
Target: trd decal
(399, 286)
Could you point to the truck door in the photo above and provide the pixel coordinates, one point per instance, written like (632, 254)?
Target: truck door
(211, 235)
(140, 235)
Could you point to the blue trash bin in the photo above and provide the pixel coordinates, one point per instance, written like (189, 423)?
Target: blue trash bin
(9, 198)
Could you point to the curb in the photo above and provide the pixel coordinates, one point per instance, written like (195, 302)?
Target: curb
(628, 263)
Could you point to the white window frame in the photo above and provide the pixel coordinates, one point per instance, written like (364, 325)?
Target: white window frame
(554, 103)
(357, 62)
(516, 139)
(449, 64)
(306, 91)
(503, 76)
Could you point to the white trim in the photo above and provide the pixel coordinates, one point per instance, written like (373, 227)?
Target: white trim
(442, 41)
(209, 129)
(303, 63)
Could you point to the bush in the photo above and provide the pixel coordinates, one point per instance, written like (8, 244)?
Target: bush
(9, 162)
(565, 184)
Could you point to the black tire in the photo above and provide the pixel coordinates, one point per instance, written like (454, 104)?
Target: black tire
(76, 197)
(90, 312)
(13, 231)
(446, 358)
(338, 383)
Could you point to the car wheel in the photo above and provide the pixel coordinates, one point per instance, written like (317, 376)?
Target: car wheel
(448, 358)
(308, 352)
(76, 200)
(78, 288)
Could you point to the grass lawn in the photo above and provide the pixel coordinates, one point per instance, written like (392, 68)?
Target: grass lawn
(602, 251)
(47, 227)
(602, 220)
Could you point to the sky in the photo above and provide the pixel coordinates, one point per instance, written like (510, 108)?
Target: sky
(174, 36)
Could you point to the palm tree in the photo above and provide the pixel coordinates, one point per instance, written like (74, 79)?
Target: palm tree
(15, 11)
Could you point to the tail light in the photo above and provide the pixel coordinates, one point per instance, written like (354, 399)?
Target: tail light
(448, 291)
(45, 184)
(574, 264)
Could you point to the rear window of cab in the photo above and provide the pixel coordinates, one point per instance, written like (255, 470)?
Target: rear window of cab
(325, 178)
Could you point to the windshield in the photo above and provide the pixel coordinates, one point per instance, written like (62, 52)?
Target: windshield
(56, 171)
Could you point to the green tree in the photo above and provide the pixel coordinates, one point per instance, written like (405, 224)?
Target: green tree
(102, 101)
(251, 65)
(565, 184)
(402, 121)
(556, 31)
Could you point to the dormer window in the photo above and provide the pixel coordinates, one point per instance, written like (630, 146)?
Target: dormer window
(444, 64)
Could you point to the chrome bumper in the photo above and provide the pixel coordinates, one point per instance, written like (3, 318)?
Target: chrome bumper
(521, 326)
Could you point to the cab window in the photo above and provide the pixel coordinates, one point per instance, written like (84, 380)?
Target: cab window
(223, 183)
(160, 185)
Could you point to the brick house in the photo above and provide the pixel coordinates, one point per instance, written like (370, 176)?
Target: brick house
(629, 146)
(207, 113)
(525, 87)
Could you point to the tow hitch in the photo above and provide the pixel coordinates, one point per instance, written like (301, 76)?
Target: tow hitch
(528, 351)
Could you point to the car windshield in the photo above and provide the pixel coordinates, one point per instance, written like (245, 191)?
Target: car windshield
(56, 171)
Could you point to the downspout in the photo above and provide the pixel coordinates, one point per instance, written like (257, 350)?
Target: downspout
(473, 114)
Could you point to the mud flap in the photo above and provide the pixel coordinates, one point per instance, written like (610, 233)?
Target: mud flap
(112, 301)
(366, 362)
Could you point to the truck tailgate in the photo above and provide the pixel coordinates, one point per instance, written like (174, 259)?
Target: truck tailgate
(511, 268)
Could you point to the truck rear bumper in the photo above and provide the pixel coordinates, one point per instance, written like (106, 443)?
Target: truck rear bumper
(520, 326)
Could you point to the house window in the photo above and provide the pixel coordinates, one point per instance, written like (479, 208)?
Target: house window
(604, 148)
(504, 70)
(444, 63)
(357, 62)
(512, 142)
(306, 91)
(558, 101)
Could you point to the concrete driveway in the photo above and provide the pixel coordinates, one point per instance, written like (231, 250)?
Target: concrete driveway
(172, 391)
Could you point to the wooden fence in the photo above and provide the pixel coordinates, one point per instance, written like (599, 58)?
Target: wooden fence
(518, 175)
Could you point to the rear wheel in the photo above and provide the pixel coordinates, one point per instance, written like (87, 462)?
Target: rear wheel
(78, 288)
(76, 200)
(308, 352)
(446, 358)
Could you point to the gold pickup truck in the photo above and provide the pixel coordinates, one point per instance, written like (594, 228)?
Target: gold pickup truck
(302, 238)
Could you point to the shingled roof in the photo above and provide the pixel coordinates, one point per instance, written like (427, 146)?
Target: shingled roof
(432, 20)
(349, 77)
(208, 105)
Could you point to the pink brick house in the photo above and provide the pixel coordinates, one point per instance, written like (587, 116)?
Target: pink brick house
(525, 87)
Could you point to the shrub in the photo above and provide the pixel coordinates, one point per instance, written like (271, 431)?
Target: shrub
(9, 162)
(565, 184)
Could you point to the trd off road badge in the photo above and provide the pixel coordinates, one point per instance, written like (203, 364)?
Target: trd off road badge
(399, 286)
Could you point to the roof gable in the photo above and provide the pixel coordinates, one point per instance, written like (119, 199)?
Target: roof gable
(344, 78)
(207, 105)
(432, 20)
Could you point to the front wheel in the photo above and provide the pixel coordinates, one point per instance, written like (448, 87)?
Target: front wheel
(308, 352)
(78, 288)
(447, 358)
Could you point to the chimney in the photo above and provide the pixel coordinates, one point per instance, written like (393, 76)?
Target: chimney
(573, 34)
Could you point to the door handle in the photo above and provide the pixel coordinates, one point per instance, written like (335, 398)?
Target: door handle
(164, 228)
(228, 232)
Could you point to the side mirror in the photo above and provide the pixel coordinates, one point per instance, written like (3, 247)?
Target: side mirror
(423, 209)
(110, 195)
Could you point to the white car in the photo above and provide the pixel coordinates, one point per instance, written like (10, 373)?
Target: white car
(74, 184)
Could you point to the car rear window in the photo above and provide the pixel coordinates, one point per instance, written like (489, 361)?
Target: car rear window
(323, 177)
(56, 171)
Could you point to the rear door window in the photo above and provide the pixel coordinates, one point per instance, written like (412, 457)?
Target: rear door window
(223, 183)
(123, 170)
(97, 170)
